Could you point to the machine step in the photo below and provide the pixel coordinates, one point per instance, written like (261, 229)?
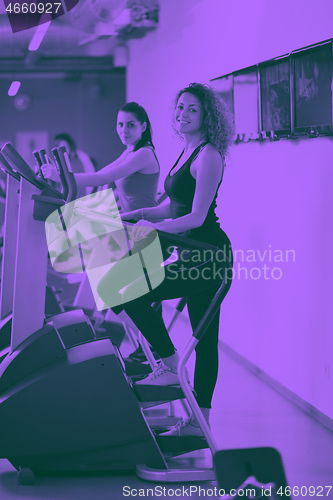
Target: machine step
(134, 368)
(158, 393)
(162, 423)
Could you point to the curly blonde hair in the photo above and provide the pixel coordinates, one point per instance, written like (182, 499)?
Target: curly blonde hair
(217, 120)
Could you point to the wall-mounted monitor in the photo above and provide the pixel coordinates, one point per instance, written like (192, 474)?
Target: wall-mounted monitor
(246, 102)
(275, 96)
(225, 89)
(288, 96)
(312, 75)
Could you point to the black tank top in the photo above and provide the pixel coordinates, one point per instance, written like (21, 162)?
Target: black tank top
(180, 188)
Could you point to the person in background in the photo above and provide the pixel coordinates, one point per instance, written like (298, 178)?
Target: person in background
(79, 160)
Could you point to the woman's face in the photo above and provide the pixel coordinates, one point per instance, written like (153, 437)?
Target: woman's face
(129, 129)
(188, 114)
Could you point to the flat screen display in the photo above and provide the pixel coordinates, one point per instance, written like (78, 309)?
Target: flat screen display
(312, 87)
(275, 96)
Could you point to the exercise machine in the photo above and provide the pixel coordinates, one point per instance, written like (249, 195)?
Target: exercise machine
(54, 389)
(58, 380)
(14, 245)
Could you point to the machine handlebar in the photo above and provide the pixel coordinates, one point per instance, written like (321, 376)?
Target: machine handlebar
(60, 170)
(39, 163)
(65, 165)
(22, 168)
(7, 168)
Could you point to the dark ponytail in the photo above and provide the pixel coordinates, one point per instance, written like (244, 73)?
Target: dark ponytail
(141, 115)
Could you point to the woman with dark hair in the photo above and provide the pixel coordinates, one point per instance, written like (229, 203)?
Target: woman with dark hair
(136, 171)
(66, 140)
(202, 121)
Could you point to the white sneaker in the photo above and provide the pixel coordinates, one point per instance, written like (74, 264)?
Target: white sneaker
(185, 428)
(161, 375)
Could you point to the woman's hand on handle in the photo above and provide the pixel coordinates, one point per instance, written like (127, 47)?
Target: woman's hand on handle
(153, 214)
(142, 229)
(50, 172)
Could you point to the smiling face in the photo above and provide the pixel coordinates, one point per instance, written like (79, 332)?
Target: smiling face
(188, 114)
(129, 129)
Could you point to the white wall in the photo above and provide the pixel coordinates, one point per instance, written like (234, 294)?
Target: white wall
(277, 194)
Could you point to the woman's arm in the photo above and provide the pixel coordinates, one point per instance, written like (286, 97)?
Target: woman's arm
(130, 163)
(151, 213)
(50, 172)
(85, 159)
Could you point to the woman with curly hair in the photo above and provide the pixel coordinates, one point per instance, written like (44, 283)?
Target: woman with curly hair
(202, 121)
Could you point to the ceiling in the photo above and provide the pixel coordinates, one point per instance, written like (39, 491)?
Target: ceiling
(80, 40)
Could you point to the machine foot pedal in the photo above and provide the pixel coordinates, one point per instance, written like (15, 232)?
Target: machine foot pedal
(158, 392)
(133, 368)
(162, 424)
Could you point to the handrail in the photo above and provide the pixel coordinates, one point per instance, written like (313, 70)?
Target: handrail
(197, 335)
(39, 161)
(61, 173)
(22, 168)
(7, 168)
(64, 163)
(18, 164)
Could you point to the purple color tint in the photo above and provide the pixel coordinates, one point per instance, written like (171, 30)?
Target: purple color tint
(70, 4)
(14, 87)
(39, 35)
(275, 197)
(273, 193)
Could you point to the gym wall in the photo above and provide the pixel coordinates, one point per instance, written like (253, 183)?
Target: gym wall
(276, 197)
(85, 107)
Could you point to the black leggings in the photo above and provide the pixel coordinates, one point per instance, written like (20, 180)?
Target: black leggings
(197, 279)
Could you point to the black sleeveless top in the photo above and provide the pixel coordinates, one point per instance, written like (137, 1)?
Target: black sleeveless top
(180, 188)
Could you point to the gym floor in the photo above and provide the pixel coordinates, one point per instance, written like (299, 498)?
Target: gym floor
(246, 413)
